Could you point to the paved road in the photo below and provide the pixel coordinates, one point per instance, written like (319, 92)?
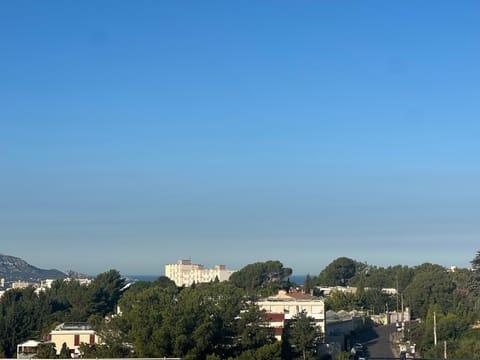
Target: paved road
(378, 342)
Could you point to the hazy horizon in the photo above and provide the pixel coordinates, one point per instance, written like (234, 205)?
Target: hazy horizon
(162, 272)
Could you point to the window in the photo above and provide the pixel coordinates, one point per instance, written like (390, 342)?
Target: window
(92, 339)
(76, 340)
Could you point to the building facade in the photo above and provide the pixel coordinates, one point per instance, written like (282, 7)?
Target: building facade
(285, 306)
(72, 334)
(184, 273)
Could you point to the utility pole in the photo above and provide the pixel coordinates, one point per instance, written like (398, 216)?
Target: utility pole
(445, 349)
(434, 329)
(397, 297)
(402, 307)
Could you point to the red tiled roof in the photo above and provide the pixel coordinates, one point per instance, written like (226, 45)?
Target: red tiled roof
(299, 295)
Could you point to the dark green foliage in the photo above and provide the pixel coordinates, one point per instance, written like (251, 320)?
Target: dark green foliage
(340, 300)
(214, 320)
(432, 284)
(22, 315)
(74, 302)
(467, 347)
(453, 297)
(308, 284)
(339, 272)
(472, 287)
(25, 315)
(300, 338)
(252, 329)
(266, 352)
(263, 278)
(476, 262)
(219, 321)
(64, 352)
(105, 351)
(164, 282)
(450, 327)
(105, 292)
(372, 299)
(46, 350)
(397, 277)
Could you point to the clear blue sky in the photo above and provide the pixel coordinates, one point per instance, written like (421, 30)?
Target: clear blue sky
(135, 133)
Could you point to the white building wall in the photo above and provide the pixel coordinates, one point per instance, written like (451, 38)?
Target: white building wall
(290, 307)
(184, 273)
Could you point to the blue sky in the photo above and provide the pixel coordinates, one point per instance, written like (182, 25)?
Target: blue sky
(135, 133)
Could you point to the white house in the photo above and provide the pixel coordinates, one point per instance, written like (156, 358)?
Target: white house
(289, 305)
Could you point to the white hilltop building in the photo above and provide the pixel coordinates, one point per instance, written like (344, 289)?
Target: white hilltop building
(184, 273)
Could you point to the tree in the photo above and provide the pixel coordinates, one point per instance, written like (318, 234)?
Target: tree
(261, 277)
(432, 284)
(339, 272)
(64, 352)
(472, 288)
(301, 337)
(212, 319)
(105, 351)
(164, 282)
(105, 292)
(340, 300)
(476, 261)
(253, 330)
(22, 315)
(46, 350)
(397, 276)
(308, 285)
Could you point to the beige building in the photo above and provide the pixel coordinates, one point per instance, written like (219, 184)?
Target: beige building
(23, 284)
(184, 273)
(73, 334)
(289, 305)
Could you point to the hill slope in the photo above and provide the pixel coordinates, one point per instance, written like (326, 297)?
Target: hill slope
(13, 269)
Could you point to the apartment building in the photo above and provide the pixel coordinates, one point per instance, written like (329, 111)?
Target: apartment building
(184, 273)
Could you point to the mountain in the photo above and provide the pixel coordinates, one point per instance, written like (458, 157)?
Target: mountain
(14, 269)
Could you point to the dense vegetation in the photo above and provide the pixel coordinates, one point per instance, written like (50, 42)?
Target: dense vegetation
(262, 278)
(454, 296)
(26, 315)
(218, 320)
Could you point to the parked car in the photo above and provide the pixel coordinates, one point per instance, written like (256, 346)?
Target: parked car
(359, 352)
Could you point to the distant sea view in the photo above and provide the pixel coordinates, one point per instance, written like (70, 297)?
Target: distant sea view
(298, 279)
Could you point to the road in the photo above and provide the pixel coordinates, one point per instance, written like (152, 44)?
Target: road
(378, 342)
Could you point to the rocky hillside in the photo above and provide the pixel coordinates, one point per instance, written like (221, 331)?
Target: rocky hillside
(14, 269)
(72, 274)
